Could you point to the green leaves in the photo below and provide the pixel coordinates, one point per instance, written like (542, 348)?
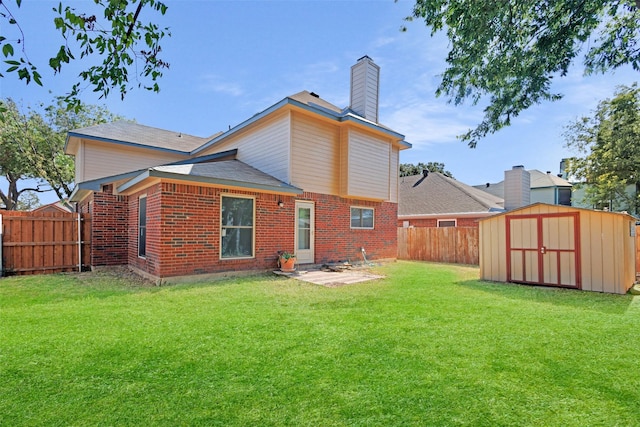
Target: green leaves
(507, 53)
(7, 49)
(127, 50)
(32, 144)
(608, 155)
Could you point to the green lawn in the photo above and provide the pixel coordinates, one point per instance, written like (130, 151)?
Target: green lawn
(429, 345)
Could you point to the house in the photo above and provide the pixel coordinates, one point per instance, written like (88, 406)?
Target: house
(303, 175)
(435, 200)
(61, 206)
(544, 187)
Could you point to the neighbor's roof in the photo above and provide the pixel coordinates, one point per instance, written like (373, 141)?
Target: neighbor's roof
(537, 180)
(230, 173)
(129, 133)
(541, 180)
(438, 194)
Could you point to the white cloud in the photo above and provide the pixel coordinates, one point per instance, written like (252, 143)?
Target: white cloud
(428, 123)
(214, 83)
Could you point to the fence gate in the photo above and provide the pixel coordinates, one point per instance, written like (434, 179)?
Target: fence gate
(38, 243)
(544, 249)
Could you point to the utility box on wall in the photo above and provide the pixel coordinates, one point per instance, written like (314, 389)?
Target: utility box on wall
(560, 246)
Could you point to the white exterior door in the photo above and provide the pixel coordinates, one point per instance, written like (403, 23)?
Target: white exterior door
(305, 230)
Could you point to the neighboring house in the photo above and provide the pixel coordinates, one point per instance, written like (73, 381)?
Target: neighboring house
(61, 206)
(578, 199)
(302, 175)
(434, 200)
(618, 205)
(545, 188)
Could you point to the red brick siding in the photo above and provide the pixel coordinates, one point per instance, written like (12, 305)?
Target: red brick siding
(183, 230)
(335, 240)
(109, 240)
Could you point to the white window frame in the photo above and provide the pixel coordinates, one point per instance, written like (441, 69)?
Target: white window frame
(455, 223)
(373, 212)
(253, 227)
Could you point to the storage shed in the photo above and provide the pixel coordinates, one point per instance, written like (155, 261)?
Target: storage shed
(562, 246)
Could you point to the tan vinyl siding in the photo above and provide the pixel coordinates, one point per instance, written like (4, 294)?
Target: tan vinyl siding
(79, 163)
(315, 155)
(344, 162)
(394, 173)
(265, 146)
(100, 159)
(368, 166)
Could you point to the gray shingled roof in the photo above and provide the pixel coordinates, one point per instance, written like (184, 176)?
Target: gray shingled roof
(307, 98)
(438, 194)
(540, 180)
(133, 133)
(232, 173)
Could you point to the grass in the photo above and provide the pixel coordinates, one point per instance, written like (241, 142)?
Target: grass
(429, 345)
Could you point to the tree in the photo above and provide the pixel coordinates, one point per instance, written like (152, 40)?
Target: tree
(28, 201)
(31, 147)
(607, 143)
(409, 169)
(121, 41)
(13, 130)
(507, 53)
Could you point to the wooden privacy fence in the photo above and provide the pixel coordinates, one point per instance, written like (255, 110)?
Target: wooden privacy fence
(457, 245)
(38, 243)
(637, 250)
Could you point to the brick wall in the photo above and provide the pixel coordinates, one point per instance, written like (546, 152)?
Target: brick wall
(183, 230)
(109, 240)
(336, 241)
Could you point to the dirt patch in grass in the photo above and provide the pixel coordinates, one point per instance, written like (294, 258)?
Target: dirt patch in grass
(120, 274)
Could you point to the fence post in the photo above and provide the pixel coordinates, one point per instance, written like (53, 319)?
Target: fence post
(79, 243)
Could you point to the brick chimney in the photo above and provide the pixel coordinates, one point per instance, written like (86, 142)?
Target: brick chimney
(365, 87)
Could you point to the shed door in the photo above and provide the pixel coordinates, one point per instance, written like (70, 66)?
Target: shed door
(544, 249)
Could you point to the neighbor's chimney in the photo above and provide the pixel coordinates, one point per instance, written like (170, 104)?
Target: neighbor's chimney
(517, 188)
(365, 87)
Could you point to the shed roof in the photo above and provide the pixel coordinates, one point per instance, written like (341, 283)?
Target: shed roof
(560, 208)
(438, 194)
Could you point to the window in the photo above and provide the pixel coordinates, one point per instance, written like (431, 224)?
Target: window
(361, 218)
(237, 227)
(564, 196)
(446, 223)
(142, 226)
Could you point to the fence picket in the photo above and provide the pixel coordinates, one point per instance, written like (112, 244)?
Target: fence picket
(37, 242)
(445, 244)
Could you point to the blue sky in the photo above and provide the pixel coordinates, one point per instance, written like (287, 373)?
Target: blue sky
(232, 59)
